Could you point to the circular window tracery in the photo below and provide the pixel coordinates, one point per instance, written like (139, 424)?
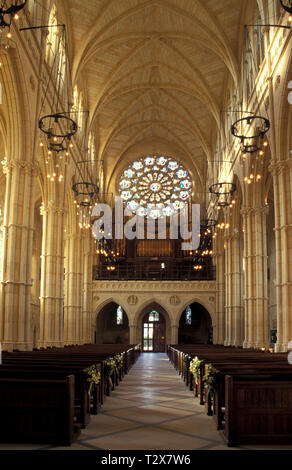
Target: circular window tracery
(155, 186)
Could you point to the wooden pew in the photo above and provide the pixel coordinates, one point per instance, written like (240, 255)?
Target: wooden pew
(37, 411)
(258, 410)
(55, 364)
(241, 376)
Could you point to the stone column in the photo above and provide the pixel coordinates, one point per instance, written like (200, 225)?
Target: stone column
(237, 336)
(282, 179)
(255, 257)
(174, 334)
(52, 276)
(234, 320)
(219, 328)
(15, 315)
(228, 287)
(73, 286)
(132, 334)
(87, 283)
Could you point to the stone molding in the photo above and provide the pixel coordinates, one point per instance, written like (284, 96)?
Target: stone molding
(29, 167)
(149, 286)
(277, 167)
(254, 210)
(51, 207)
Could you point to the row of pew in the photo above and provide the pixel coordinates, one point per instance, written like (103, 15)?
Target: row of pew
(44, 394)
(247, 392)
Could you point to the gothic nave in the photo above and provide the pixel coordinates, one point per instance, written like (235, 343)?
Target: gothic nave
(145, 177)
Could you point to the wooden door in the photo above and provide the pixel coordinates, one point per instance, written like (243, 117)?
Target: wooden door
(153, 339)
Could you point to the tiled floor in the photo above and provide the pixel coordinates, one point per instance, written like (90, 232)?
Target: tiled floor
(151, 409)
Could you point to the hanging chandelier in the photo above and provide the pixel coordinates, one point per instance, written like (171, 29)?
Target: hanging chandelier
(287, 5)
(59, 128)
(208, 226)
(85, 194)
(108, 255)
(255, 141)
(203, 255)
(57, 125)
(8, 13)
(223, 193)
(252, 178)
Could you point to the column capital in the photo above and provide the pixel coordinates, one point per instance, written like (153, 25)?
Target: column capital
(73, 236)
(51, 206)
(277, 167)
(262, 210)
(31, 168)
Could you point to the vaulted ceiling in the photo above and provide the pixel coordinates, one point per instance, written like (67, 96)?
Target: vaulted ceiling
(156, 73)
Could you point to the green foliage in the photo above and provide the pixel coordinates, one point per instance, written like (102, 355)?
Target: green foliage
(93, 377)
(195, 368)
(109, 366)
(211, 379)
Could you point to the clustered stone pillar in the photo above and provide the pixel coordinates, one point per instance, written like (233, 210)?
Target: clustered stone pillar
(17, 255)
(174, 334)
(86, 336)
(218, 332)
(73, 289)
(132, 334)
(282, 179)
(234, 320)
(52, 276)
(255, 259)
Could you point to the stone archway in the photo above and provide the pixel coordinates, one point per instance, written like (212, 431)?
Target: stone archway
(161, 327)
(112, 325)
(195, 325)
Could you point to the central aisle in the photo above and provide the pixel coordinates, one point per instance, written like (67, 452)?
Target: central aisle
(151, 409)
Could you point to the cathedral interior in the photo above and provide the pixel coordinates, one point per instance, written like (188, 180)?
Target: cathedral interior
(146, 174)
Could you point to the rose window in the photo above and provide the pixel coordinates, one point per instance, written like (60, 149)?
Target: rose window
(155, 186)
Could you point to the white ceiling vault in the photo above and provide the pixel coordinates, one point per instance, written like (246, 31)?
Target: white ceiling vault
(155, 74)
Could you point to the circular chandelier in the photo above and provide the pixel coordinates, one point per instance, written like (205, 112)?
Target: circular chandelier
(254, 142)
(223, 193)
(59, 129)
(85, 193)
(287, 5)
(155, 186)
(208, 226)
(8, 13)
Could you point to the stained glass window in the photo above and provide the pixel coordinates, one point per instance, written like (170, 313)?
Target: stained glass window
(120, 315)
(153, 316)
(155, 186)
(188, 315)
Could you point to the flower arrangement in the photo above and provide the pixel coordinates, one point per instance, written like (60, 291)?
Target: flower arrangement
(119, 361)
(211, 379)
(93, 377)
(195, 368)
(187, 359)
(109, 365)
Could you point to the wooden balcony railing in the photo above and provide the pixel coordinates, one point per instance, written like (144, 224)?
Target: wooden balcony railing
(154, 273)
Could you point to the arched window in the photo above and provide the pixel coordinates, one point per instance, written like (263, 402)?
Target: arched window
(188, 315)
(77, 109)
(56, 51)
(91, 148)
(53, 33)
(153, 316)
(120, 315)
